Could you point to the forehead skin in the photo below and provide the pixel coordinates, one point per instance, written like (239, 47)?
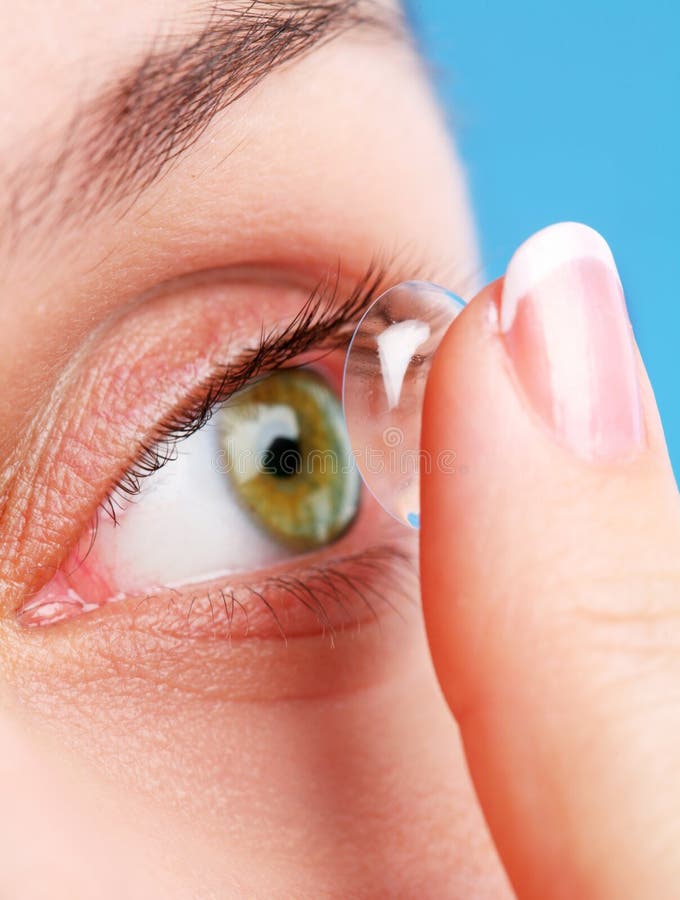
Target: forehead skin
(322, 142)
(340, 154)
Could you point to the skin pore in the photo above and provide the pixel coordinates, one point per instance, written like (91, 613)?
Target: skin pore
(143, 752)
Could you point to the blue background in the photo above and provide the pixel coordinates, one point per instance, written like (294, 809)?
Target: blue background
(571, 111)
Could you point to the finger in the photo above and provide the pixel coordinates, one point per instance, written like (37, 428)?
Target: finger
(550, 564)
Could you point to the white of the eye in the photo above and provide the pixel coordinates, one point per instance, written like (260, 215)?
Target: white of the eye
(249, 438)
(186, 525)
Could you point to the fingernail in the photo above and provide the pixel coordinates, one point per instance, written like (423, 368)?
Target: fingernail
(564, 320)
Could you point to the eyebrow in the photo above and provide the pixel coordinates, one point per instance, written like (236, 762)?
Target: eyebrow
(124, 139)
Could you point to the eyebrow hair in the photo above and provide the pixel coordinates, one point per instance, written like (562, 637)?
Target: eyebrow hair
(124, 139)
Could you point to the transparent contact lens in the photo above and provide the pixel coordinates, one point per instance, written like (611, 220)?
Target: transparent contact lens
(386, 370)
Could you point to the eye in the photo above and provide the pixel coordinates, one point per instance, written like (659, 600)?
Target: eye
(240, 512)
(268, 477)
(288, 458)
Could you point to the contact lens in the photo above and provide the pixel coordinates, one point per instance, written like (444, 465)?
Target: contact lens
(386, 370)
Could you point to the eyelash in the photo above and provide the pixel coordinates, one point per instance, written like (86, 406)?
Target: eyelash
(365, 579)
(322, 322)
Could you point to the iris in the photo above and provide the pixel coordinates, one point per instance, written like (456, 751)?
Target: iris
(289, 459)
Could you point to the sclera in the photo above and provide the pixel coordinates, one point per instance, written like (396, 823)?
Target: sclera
(386, 370)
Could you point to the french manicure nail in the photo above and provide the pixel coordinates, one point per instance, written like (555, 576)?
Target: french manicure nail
(563, 317)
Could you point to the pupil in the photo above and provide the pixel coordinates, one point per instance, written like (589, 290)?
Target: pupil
(283, 458)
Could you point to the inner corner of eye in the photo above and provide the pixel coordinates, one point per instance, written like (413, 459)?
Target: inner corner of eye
(271, 476)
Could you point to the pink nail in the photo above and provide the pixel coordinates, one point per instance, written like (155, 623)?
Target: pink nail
(564, 319)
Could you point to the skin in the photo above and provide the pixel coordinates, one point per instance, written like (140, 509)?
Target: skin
(555, 635)
(176, 764)
(142, 752)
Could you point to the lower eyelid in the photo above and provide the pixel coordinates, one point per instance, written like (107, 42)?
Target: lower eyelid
(325, 598)
(322, 594)
(339, 586)
(163, 651)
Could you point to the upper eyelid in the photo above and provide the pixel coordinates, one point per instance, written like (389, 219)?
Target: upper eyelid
(320, 320)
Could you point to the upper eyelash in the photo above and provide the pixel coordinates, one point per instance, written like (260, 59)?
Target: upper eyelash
(322, 322)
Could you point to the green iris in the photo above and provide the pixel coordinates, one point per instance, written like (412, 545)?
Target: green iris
(289, 459)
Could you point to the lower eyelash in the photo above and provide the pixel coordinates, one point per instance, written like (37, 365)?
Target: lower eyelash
(338, 595)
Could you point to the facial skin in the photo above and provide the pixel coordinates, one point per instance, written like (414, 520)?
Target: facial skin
(142, 752)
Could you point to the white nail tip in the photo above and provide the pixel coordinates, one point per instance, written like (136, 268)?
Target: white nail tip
(543, 253)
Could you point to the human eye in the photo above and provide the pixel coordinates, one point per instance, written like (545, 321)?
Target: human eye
(242, 509)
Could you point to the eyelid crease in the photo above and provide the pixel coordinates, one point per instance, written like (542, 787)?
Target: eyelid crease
(322, 323)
